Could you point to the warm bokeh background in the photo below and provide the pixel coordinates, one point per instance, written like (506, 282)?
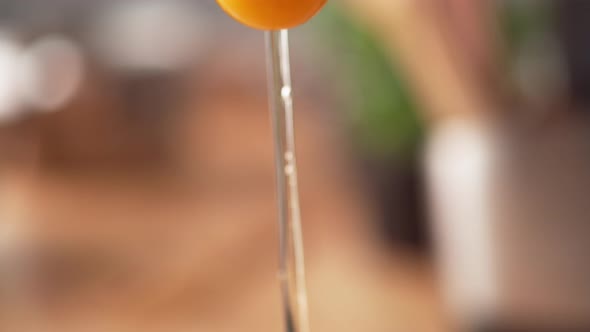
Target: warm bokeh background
(441, 147)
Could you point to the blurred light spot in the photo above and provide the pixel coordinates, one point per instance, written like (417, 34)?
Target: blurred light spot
(51, 72)
(459, 164)
(149, 35)
(286, 92)
(10, 98)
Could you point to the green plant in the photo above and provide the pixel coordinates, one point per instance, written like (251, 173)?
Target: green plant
(381, 110)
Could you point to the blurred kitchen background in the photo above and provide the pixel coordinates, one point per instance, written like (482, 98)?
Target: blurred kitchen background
(443, 146)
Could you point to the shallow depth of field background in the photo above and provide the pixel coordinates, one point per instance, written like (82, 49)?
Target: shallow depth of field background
(442, 146)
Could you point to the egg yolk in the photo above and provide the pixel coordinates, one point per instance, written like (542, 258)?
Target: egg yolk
(272, 14)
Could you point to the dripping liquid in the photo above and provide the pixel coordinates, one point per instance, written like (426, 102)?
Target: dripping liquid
(291, 261)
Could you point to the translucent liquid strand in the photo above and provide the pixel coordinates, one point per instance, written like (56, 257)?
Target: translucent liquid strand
(291, 264)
